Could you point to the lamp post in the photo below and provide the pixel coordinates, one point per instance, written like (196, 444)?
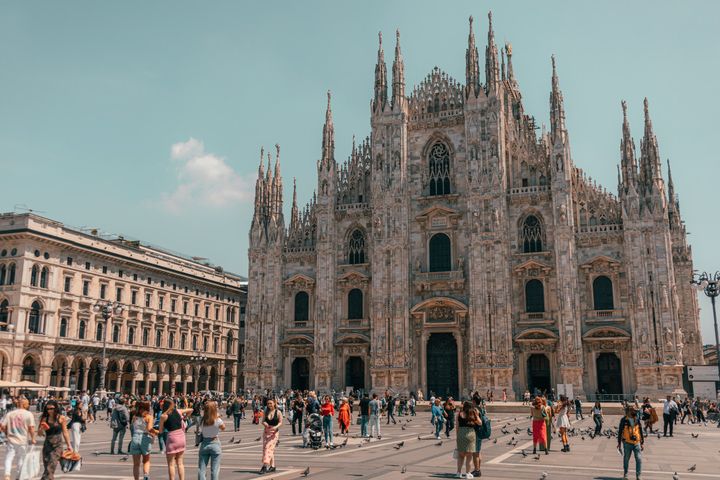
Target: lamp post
(710, 284)
(199, 358)
(107, 310)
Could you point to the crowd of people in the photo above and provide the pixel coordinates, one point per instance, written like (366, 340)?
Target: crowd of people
(165, 419)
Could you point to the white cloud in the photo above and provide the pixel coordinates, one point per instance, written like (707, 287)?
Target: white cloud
(204, 179)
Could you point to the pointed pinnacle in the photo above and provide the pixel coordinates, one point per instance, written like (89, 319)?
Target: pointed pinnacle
(328, 112)
(623, 103)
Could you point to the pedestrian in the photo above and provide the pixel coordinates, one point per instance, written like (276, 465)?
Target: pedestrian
(670, 411)
(597, 418)
(526, 397)
(77, 427)
(649, 415)
(438, 417)
(298, 407)
(467, 419)
(53, 426)
(196, 414)
(630, 436)
(18, 425)
(271, 434)
(504, 395)
(364, 415)
(142, 434)
(578, 409)
(479, 430)
(327, 411)
(449, 409)
(563, 422)
(391, 408)
(538, 413)
(119, 420)
(411, 404)
(549, 422)
(172, 422)
(210, 449)
(236, 411)
(375, 407)
(344, 416)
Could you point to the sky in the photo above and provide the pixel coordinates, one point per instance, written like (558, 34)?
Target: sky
(146, 118)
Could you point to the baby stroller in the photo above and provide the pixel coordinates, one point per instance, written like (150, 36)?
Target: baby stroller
(314, 431)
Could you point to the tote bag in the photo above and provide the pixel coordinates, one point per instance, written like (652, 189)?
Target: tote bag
(30, 468)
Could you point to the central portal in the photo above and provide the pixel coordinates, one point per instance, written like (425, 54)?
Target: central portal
(300, 379)
(355, 373)
(442, 365)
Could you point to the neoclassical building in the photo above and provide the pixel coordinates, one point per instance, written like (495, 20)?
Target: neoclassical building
(175, 310)
(457, 249)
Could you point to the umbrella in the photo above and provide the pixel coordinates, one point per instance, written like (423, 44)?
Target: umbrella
(58, 389)
(6, 384)
(28, 385)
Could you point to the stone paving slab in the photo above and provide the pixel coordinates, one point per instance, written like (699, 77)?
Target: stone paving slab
(422, 457)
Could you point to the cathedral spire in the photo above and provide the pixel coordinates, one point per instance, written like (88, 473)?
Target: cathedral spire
(259, 184)
(510, 73)
(380, 78)
(294, 213)
(650, 170)
(328, 145)
(277, 183)
(472, 68)
(492, 69)
(673, 202)
(627, 152)
(398, 73)
(557, 108)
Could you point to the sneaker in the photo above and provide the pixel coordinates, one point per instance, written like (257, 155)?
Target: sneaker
(271, 469)
(469, 475)
(476, 473)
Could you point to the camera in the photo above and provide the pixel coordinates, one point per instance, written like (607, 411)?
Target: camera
(633, 438)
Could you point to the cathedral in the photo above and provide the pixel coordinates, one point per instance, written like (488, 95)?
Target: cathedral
(458, 248)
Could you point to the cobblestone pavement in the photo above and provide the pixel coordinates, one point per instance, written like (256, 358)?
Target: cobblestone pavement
(423, 458)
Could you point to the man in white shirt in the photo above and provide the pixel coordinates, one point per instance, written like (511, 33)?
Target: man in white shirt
(19, 428)
(670, 410)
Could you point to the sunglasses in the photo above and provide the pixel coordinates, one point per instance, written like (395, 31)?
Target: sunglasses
(49, 408)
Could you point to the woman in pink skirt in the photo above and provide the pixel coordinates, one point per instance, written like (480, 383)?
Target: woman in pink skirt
(272, 421)
(173, 423)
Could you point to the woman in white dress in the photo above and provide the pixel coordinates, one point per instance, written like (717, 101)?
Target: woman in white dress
(562, 422)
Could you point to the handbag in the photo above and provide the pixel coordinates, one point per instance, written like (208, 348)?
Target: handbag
(31, 465)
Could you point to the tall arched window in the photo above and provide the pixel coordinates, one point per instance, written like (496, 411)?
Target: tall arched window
(603, 293)
(440, 253)
(63, 327)
(194, 342)
(81, 330)
(11, 275)
(158, 338)
(34, 274)
(116, 334)
(356, 248)
(532, 237)
(146, 337)
(44, 274)
(4, 315)
(355, 304)
(534, 296)
(34, 318)
(302, 307)
(439, 169)
(230, 317)
(131, 336)
(171, 340)
(229, 343)
(3, 274)
(99, 330)
(205, 344)
(183, 341)
(215, 345)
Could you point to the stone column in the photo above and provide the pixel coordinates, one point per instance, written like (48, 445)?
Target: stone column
(86, 372)
(146, 378)
(118, 381)
(132, 384)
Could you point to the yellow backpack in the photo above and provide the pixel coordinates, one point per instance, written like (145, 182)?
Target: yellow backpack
(630, 432)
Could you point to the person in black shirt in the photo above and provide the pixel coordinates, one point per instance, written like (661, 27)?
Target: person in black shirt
(391, 409)
(298, 406)
(364, 415)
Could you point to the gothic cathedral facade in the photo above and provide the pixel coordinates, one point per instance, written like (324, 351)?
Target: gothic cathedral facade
(457, 249)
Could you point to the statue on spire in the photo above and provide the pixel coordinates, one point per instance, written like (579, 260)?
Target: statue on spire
(398, 87)
(380, 78)
(472, 68)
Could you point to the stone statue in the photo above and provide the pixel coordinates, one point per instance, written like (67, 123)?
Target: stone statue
(643, 336)
(417, 264)
(668, 336)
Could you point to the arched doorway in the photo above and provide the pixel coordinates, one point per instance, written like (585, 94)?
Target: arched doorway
(355, 373)
(29, 369)
(300, 379)
(538, 368)
(442, 365)
(213, 379)
(609, 373)
(227, 381)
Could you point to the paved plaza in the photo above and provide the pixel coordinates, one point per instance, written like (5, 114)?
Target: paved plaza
(423, 458)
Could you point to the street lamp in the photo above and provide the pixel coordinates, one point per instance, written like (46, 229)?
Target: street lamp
(199, 358)
(107, 310)
(710, 284)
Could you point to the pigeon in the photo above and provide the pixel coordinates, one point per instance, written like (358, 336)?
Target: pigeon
(695, 435)
(516, 431)
(692, 468)
(494, 440)
(344, 442)
(676, 476)
(529, 432)
(399, 445)
(240, 440)
(537, 457)
(124, 458)
(582, 437)
(258, 439)
(514, 443)
(439, 443)
(524, 454)
(659, 436)
(306, 472)
(403, 427)
(97, 453)
(232, 440)
(403, 469)
(544, 475)
(419, 437)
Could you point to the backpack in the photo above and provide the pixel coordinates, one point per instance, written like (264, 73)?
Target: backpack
(486, 427)
(630, 431)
